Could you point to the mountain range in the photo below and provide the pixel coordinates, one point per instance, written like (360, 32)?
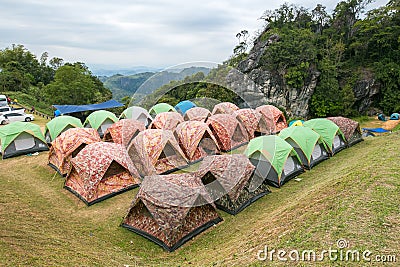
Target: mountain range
(126, 85)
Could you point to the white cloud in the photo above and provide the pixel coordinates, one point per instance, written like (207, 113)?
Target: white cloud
(128, 33)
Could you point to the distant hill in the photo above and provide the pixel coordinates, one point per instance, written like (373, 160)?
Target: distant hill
(105, 70)
(122, 85)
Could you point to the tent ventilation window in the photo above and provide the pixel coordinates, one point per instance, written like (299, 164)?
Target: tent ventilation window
(237, 135)
(167, 151)
(78, 149)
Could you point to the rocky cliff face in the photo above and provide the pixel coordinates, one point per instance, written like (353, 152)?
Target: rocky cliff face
(258, 86)
(365, 92)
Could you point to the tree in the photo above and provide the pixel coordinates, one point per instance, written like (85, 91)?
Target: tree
(71, 85)
(321, 18)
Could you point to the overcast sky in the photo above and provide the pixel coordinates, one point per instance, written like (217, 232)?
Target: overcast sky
(153, 33)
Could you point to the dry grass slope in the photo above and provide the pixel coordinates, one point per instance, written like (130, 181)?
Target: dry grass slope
(354, 195)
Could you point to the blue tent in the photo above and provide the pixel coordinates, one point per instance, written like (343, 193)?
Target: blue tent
(184, 106)
(67, 109)
(395, 116)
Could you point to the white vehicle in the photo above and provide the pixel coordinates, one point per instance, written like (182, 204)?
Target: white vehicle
(3, 120)
(13, 116)
(3, 100)
(6, 109)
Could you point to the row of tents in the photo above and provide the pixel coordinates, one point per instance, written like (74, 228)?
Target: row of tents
(175, 202)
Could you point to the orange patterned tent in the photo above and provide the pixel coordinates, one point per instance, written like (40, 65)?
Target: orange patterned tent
(123, 131)
(197, 114)
(166, 121)
(68, 145)
(156, 151)
(100, 171)
(228, 131)
(253, 121)
(275, 119)
(224, 108)
(196, 140)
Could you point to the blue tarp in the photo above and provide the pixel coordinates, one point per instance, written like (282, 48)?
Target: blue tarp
(376, 130)
(67, 109)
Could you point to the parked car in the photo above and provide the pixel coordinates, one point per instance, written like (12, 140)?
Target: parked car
(13, 116)
(7, 109)
(3, 100)
(3, 120)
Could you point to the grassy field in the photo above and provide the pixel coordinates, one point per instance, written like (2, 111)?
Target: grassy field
(353, 196)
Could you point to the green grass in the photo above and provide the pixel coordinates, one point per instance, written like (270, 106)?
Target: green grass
(355, 195)
(29, 100)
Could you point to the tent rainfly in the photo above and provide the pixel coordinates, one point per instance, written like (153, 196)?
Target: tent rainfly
(68, 145)
(253, 121)
(308, 144)
(330, 133)
(225, 108)
(350, 129)
(171, 209)
(101, 170)
(228, 131)
(197, 114)
(137, 113)
(166, 121)
(21, 138)
(123, 131)
(276, 160)
(100, 120)
(196, 140)
(156, 151)
(274, 117)
(183, 106)
(160, 108)
(229, 180)
(59, 125)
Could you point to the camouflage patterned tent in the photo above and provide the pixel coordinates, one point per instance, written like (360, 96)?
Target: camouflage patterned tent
(166, 121)
(196, 140)
(275, 159)
(101, 170)
(68, 145)
(253, 121)
(274, 117)
(224, 108)
(229, 180)
(228, 131)
(350, 128)
(171, 209)
(197, 114)
(156, 151)
(123, 131)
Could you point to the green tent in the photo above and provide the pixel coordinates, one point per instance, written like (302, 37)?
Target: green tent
(137, 113)
(20, 138)
(308, 144)
(275, 159)
(160, 108)
(330, 133)
(59, 125)
(100, 120)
